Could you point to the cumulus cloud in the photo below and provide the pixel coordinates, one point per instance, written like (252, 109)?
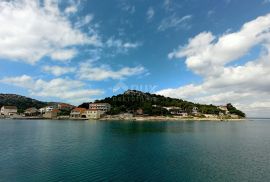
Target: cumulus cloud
(176, 22)
(245, 85)
(58, 70)
(88, 71)
(32, 31)
(69, 90)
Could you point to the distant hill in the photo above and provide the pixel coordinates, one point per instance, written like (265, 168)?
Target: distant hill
(153, 104)
(21, 102)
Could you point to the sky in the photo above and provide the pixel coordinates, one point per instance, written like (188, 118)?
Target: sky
(76, 51)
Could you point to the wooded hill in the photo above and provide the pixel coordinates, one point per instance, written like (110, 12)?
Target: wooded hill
(21, 102)
(153, 104)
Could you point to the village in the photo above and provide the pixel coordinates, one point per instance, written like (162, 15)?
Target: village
(98, 111)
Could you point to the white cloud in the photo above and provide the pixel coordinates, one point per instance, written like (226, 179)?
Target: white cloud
(150, 13)
(63, 55)
(69, 90)
(58, 70)
(84, 21)
(71, 9)
(88, 71)
(174, 21)
(121, 46)
(73, 6)
(31, 31)
(207, 54)
(246, 85)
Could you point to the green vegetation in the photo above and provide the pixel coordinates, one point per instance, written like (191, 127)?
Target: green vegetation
(64, 112)
(233, 110)
(153, 104)
(21, 102)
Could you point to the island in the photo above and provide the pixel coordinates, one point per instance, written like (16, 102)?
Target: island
(131, 105)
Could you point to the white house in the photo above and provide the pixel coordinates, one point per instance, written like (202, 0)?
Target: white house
(8, 110)
(195, 110)
(46, 109)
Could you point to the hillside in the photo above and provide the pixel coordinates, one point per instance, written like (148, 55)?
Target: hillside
(21, 102)
(153, 104)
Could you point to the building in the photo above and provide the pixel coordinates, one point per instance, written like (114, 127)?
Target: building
(224, 109)
(31, 112)
(46, 109)
(77, 113)
(195, 110)
(100, 106)
(9, 110)
(94, 114)
(42, 110)
(51, 114)
(63, 106)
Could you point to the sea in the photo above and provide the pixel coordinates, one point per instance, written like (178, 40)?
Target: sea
(204, 151)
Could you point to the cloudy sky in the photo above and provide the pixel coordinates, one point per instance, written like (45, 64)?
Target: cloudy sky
(76, 51)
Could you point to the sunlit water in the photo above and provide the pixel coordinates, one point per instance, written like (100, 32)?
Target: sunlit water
(134, 151)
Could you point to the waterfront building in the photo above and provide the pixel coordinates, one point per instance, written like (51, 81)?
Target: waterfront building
(77, 113)
(46, 109)
(51, 114)
(31, 112)
(94, 113)
(9, 110)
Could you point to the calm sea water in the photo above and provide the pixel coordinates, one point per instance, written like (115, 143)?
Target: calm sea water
(134, 151)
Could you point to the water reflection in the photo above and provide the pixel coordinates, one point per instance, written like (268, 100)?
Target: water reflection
(152, 127)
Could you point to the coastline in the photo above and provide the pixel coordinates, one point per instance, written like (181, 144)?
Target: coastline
(164, 118)
(136, 118)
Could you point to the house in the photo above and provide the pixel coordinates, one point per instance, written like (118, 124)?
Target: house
(46, 109)
(31, 112)
(51, 114)
(78, 112)
(8, 110)
(195, 110)
(42, 110)
(63, 106)
(94, 113)
(224, 109)
(100, 106)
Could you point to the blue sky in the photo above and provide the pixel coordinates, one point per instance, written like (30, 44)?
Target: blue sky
(79, 51)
